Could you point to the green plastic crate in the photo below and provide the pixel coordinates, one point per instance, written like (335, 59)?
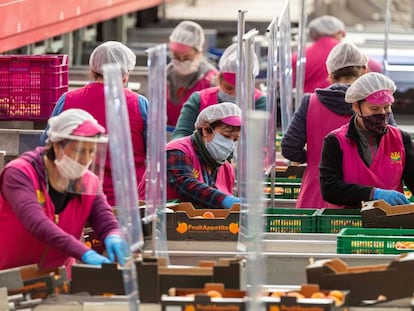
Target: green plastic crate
(285, 188)
(290, 220)
(332, 220)
(375, 241)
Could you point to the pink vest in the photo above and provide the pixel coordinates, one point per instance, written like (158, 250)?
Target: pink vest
(92, 99)
(209, 96)
(225, 173)
(19, 247)
(319, 122)
(387, 165)
(174, 109)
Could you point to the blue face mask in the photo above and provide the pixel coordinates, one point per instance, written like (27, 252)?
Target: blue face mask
(220, 147)
(226, 97)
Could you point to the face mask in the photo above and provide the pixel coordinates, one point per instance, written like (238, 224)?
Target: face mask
(376, 123)
(220, 147)
(69, 168)
(226, 97)
(186, 67)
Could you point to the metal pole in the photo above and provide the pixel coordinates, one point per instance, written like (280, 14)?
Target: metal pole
(301, 58)
(387, 32)
(240, 34)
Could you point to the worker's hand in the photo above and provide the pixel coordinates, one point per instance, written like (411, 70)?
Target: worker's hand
(390, 196)
(91, 257)
(229, 201)
(116, 246)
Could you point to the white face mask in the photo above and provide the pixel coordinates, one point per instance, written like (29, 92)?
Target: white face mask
(220, 147)
(186, 67)
(69, 168)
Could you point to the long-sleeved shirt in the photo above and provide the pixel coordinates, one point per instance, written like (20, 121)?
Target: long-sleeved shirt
(191, 109)
(181, 176)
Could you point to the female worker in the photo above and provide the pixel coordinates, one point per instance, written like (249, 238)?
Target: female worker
(302, 142)
(197, 169)
(47, 195)
(367, 159)
(325, 32)
(224, 92)
(188, 71)
(92, 99)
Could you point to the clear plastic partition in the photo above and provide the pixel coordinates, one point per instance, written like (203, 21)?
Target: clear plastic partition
(285, 66)
(256, 267)
(301, 58)
(246, 103)
(271, 104)
(123, 174)
(156, 192)
(387, 35)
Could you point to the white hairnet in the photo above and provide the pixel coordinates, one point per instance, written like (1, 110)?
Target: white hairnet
(325, 25)
(345, 54)
(188, 33)
(63, 125)
(368, 84)
(227, 112)
(228, 61)
(112, 52)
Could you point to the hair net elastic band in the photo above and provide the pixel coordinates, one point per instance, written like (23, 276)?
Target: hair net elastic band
(233, 121)
(229, 77)
(179, 47)
(380, 97)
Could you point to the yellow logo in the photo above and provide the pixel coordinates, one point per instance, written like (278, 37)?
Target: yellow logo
(395, 156)
(196, 173)
(40, 197)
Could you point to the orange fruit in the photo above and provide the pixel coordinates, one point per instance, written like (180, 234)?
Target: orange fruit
(214, 294)
(277, 294)
(337, 293)
(189, 308)
(295, 294)
(208, 214)
(318, 295)
(337, 301)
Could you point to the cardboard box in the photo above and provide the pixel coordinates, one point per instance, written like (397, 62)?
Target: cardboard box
(30, 280)
(291, 171)
(379, 214)
(392, 281)
(155, 277)
(188, 223)
(215, 296)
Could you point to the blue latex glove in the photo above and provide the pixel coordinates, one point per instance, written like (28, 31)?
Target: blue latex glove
(91, 257)
(229, 201)
(116, 246)
(390, 196)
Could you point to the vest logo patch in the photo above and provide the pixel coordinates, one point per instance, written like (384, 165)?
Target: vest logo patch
(196, 173)
(395, 157)
(40, 197)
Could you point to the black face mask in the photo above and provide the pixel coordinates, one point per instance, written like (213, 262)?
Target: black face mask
(376, 123)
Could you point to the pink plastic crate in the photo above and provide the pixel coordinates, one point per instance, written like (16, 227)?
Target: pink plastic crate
(30, 85)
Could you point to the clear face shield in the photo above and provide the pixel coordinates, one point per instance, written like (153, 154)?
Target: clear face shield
(80, 162)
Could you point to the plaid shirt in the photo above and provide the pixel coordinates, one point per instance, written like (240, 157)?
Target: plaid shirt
(189, 188)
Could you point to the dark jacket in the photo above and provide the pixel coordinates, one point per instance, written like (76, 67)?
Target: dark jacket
(333, 187)
(294, 140)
